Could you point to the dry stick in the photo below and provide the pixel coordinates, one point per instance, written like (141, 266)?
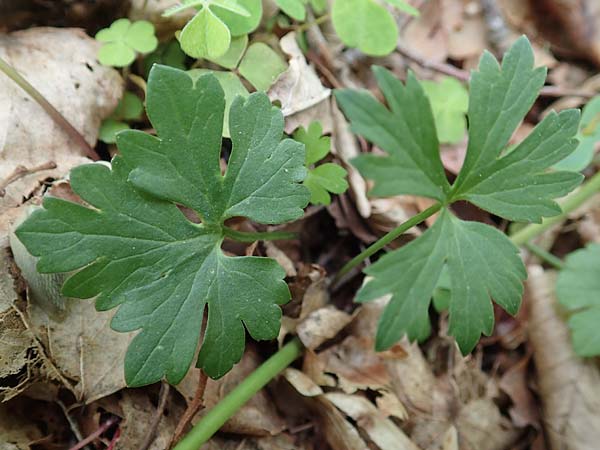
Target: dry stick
(192, 409)
(58, 118)
(463, 75)
(162, 402)
(96, 434)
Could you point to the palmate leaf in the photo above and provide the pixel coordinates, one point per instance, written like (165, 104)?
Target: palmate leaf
(479, 261)
(136, 249)
(578, 290)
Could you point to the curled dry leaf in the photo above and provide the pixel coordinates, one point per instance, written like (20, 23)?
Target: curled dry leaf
(382, 431)
(321, 325)
(568, 385)
(299, 87)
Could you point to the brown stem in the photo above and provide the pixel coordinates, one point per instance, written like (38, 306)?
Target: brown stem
(96, 434)
(192, 408)
(20, 172)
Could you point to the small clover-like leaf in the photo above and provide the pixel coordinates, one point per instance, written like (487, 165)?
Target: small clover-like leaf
(123, 39)
(261, 66)
(293, 8)
(478, 262)
(366, 25)
(449, 102)
(232, 57)
(135, 249)
(208, 34)
(325, 178)
(129, 108)
(578, 290)
(588, 136)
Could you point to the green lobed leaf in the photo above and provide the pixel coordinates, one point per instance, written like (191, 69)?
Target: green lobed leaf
(405, 131)
(366, 25)
(323, 179)
(261, 66)
(514, 184)
(578, 290)
(412, 272)
(326, 178)
(123, 39)
(449, 102)
(588, 136)
(135, 248)
(232, 87)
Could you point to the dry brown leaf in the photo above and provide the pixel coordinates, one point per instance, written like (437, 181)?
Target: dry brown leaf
(16, 433)
(339, 433)
(426, 35)
(514, 382)
(302, 383)
(346, 148)
(299, 87)
(568, 385)
(382, 431)
(280, 442)
(321, 325)
(77, 338)
(279, 255)
(62, 65)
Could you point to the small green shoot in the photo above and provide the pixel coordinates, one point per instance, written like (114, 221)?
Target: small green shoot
(134, 248)
(325, 178)
(123, 40)
(515, 185)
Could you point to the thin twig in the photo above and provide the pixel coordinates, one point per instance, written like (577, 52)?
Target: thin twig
(58, 118)
(96, 434)
(463, 75)
(162, 402)
(72, 424)
(192, 409)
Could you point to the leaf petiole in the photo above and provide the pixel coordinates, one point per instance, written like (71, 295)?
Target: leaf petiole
(386, 239)
(248, 236)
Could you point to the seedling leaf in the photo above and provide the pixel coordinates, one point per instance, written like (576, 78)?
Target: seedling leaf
(296, 9)
(136, 249)
(578, 290)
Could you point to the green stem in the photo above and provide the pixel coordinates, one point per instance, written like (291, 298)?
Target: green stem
(571, 203)
(233, 401)
(58, 118)
(248, 236)
(307, 25)
(544, 255)
(386, 239)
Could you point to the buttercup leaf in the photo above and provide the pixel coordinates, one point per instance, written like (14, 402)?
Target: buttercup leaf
(134, 248)
(516, 185)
